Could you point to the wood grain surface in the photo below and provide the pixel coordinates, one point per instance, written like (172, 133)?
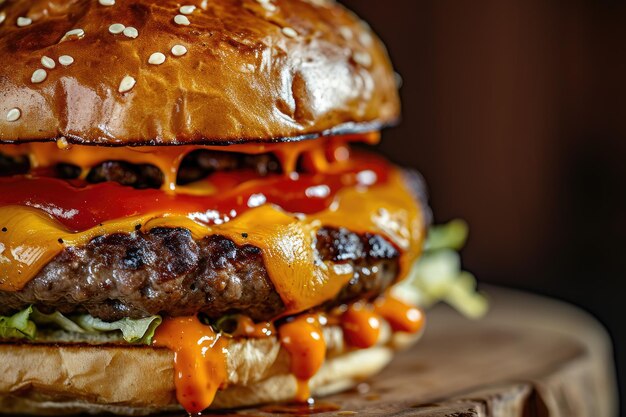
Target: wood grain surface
(530, 357)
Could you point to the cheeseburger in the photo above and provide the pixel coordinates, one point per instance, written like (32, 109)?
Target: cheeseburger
(189, 216)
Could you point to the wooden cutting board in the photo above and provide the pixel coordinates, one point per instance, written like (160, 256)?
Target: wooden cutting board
(530, 357)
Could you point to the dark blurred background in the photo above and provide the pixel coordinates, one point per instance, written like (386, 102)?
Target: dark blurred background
(515, 112)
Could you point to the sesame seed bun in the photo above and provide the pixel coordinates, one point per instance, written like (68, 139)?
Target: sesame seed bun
(234, 71)
(44, 379)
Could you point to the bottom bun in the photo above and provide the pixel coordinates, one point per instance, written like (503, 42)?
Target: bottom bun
(44, 379)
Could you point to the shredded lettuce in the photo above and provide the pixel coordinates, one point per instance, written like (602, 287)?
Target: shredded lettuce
(438, 275)
(27, 322)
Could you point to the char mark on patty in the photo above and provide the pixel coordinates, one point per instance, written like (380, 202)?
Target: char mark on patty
(167, 272)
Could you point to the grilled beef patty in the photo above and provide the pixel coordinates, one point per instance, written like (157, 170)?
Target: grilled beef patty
(167, 272)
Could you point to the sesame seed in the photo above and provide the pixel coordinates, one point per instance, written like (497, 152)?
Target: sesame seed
(3, 17)
(187, 9)
(62, 143)
(289, 32)
(366, 39)
(74, 33)
(48, 62)
(116, 28)
(131, 32)
(66, 60)
(24, 21)
(180, 19)
(399, 80)
(106, 2)
(38, 76)
(179, 50)
(267, 5)
(362, 58)
(156, 58)
(346, 33)
(127, 84)
(13, 115)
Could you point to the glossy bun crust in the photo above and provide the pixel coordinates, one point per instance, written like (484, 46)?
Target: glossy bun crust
(254, 70)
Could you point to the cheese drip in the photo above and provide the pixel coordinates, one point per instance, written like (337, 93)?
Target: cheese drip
(32, 238)
(168, 159)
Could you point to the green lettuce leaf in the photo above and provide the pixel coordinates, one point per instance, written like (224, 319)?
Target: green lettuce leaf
(55, 319)
(26, 323)
(452, 235)
(133, 331)
(438, 274)
(18, 326)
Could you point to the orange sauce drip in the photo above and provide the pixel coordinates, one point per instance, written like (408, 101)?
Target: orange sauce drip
(361, 326)
(302, 338)
(401, 316)
(199, 360)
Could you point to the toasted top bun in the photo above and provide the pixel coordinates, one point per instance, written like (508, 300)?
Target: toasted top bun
(233, 71)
